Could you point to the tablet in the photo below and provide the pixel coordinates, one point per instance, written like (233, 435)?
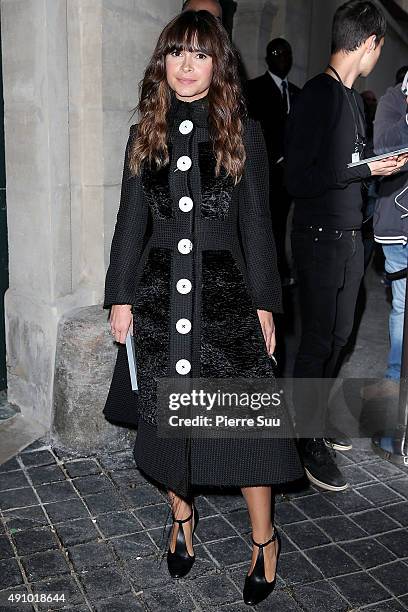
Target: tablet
(378, 157)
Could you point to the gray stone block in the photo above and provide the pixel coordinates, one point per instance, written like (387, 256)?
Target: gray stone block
(85, 358)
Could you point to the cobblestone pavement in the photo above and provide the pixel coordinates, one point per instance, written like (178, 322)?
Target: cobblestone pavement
(90, 528)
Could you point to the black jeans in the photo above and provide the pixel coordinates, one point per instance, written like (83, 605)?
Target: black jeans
(330, 267)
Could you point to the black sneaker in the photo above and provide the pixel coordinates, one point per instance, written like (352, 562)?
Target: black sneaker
(320, 466)
(339, 440)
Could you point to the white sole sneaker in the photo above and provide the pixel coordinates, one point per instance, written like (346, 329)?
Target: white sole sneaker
(340, 447)
(324, 485)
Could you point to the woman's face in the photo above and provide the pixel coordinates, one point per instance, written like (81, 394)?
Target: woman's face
(189, 74)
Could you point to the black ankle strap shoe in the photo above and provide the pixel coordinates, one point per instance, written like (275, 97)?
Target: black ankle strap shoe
(180, 561)
(256, 587)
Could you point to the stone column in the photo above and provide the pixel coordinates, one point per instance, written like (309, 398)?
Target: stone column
(70, 69)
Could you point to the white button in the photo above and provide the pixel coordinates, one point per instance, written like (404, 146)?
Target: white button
(183, 366)
(185, 246)
(184, 163)
(183, 285)
(186, 126)
(183, 326)
(185, 204)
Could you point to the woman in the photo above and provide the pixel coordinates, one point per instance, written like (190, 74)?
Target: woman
(193, 273)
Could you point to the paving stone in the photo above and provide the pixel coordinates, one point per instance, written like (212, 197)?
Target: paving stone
(13, 605)
(360, 589)
(391, 605)
(40, 457)
(340, 528)
(355, 475)
(90, 555)
(286, 544)
(10, 574)
(332, 561)
(348, 501)
(148, 572)
(393, 576)
(203, 564)
(316, 506)
(6, 550)
(368, 553)
(103, 582)
(106, 501)
(214, 528)
(294, 568)
(320, 597)
(11, 464)
(76, 532)
(45, 565)
(287, 513)
(37, 444)
(141, 496)
(237, 574)
(118, 523)
(34, 540)
(45, 474)
(127, 478)
(64, 587)
(205, 507)
(240, 520)
(279, 600)
(154, 516)
(118, 461)
(383, 470)
(124, 603)
(398, 512)
(375, 521)
(400, 486)
(93, 483)
(25, 518)
(56, 491)
(227, 502)
(171, 598)
(135, 545)
(81, 467)
(70, 509)
(235, 607)
(396, 541)
(230, 551)
(379, 494)
(12, 480)
(306, 534)
(215, 590)
(17, 498)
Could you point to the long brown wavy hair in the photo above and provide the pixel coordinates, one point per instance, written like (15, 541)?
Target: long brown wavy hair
(192, 31)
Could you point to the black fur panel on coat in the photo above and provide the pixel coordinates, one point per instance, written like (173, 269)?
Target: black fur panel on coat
(156, 187)
(216, 191)
(232, 343)
(151, 329)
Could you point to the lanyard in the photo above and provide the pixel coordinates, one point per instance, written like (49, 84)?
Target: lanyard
(361, 120)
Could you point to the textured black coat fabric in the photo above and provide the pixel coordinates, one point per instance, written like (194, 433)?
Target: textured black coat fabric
(231, 271)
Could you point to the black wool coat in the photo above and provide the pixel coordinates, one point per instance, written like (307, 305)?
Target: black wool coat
(194, 255)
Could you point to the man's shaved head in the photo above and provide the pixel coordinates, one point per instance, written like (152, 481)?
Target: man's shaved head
(212, 6)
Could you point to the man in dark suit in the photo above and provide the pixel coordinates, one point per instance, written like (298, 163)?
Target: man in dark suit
(270, 98)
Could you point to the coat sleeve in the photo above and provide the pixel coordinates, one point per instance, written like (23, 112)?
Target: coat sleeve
(309, 170)
(255, 223)
(390, 125)
(128, 237)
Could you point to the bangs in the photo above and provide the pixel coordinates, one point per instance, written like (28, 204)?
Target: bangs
(193, 35)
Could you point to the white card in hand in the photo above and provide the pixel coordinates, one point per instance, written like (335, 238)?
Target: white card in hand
(130, 349)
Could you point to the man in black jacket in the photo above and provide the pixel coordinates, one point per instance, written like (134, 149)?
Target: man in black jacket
(326, 131)
(270, 98)
(212, 6)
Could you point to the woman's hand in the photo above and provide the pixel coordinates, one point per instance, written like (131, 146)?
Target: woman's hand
(268, 329)
(121, 319)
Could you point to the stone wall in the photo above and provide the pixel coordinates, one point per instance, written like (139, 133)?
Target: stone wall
(70, 70)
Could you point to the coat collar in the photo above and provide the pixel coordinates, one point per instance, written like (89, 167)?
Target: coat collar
(196, 111)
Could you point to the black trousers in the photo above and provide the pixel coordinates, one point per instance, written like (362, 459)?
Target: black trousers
(330, 267)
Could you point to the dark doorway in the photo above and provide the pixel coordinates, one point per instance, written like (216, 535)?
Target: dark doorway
(3, 237)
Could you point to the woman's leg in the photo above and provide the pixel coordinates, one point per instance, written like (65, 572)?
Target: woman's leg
(181, 509)
(259, 502)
